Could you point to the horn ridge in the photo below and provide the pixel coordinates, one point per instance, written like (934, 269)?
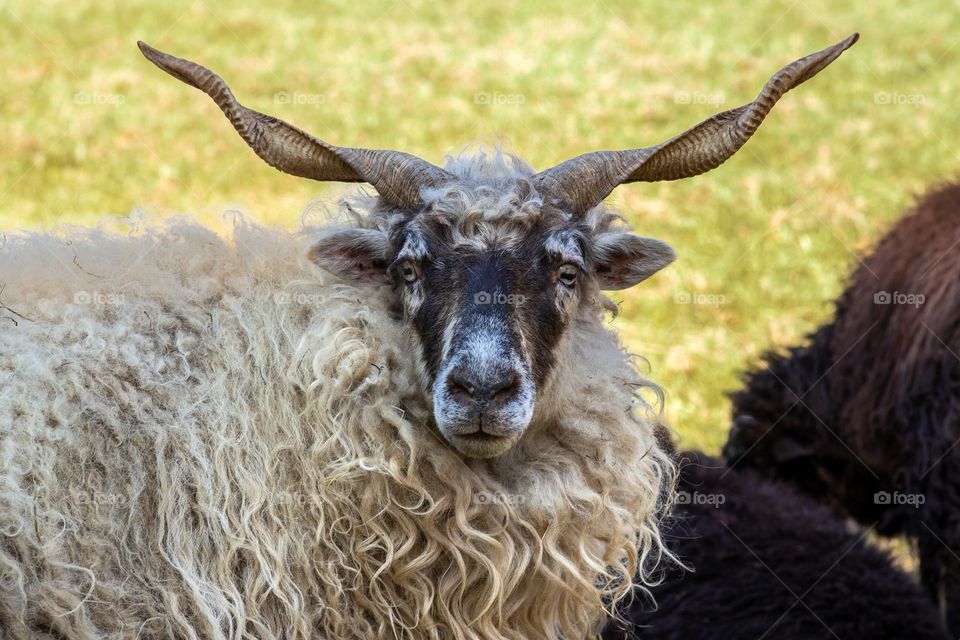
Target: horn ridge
(584, 181)
(398, 177)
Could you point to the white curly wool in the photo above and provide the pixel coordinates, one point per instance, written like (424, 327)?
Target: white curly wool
(207, 437)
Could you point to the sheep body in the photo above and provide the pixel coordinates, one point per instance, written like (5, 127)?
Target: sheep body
(206, 438)
(866, 417)
(767, 562)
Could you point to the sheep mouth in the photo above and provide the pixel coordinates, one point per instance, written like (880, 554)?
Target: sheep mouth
(481, 436)
(481, 444)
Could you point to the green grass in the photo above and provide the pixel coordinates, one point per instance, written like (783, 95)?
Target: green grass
(89, 128)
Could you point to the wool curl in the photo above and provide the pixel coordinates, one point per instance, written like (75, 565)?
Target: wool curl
(207, 437)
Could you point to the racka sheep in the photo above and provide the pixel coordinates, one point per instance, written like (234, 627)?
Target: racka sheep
(766, 562)
(431, 436)
(866, 416)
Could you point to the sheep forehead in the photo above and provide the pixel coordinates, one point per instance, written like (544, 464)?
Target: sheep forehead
(486, 218)
(492, 203)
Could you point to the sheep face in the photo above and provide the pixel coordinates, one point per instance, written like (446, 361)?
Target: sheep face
(490, 282)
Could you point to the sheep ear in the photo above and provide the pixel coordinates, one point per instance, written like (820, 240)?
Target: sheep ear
(623, 259)
(356, 255)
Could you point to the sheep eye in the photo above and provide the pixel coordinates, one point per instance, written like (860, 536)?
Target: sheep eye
(568, 274)
(409, 272)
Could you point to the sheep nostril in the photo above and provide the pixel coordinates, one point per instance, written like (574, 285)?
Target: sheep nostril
(460, 386)
(465, 388)
(505, 387)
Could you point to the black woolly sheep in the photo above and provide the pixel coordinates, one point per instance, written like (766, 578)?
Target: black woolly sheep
(770, 563)
(866, 417)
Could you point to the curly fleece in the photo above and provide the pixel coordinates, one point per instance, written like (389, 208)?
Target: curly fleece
(206, 437)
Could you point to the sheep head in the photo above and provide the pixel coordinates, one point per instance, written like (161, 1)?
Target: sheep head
(492, 271)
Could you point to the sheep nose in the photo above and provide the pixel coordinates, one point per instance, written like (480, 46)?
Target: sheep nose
(469, 387)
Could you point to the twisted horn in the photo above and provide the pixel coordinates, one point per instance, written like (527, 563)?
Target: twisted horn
(583, 182)
(398, 177)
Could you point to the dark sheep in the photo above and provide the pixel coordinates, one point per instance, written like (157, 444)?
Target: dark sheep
(768, 562)
(865, 417)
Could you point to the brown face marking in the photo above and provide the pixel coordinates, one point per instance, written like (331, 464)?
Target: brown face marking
(515, 287)
(489, 313)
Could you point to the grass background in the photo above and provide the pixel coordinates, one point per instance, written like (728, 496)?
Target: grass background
(90, 129)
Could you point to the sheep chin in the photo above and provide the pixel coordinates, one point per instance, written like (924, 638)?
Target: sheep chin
(482, 446)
